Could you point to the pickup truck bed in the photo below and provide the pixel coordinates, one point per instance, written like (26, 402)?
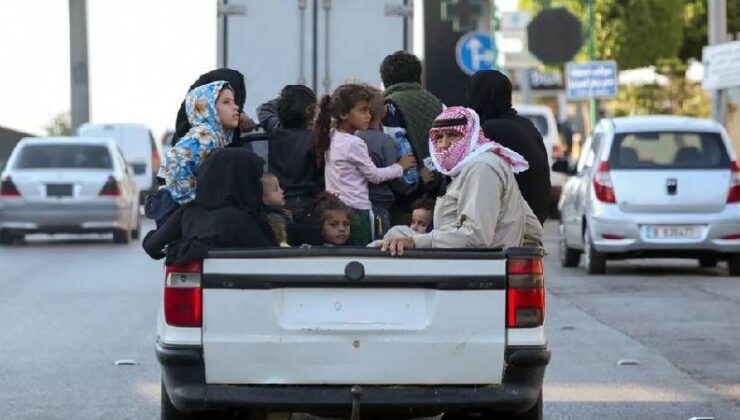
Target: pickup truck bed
(324, 330)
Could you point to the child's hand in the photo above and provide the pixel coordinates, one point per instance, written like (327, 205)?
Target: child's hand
(397, 245)
(408, 161)
(246, 124)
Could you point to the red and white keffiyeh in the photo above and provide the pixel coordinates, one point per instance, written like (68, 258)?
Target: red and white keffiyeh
(465, 121)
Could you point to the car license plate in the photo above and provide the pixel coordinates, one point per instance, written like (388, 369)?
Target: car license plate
(673, 232)
(58, 190)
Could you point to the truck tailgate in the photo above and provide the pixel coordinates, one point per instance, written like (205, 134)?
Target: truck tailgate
(354, 317)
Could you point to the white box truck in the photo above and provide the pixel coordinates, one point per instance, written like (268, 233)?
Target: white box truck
(318, 43)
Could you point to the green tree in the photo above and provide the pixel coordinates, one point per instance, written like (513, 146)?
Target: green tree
(61, 125)
(635, 33)
(696, 26)
(678, 97)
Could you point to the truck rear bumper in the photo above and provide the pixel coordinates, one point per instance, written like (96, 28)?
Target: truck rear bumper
(183, 373)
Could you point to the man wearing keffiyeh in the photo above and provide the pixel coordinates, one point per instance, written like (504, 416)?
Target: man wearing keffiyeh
(483, 207)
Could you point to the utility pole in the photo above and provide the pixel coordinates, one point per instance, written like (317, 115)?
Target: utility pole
(592, 57)
(717, 35)
(223, 11)
(79, 79)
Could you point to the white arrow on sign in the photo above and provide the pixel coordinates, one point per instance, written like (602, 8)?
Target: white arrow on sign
(477, 57)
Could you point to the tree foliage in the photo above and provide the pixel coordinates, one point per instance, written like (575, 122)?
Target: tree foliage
(678, 97)
(61, 125)
(696, 26)
(635, 33)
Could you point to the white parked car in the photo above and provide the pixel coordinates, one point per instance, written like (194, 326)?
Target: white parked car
(654, 186)
(139, 148)
(544, 120)
(68, 185)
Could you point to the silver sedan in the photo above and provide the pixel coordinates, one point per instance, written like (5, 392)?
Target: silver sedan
(68, 185)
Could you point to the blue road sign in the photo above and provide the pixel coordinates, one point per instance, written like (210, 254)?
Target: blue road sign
(595, 79)
(476, 51)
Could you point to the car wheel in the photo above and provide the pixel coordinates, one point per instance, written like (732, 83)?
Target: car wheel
(594, 262)
(136, 233)
(554, 213)
(569, 257)
(708, 262)
(121, 236)
(6, 238)
(734, 265)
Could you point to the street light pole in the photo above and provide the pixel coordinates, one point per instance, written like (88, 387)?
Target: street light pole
(79, 80)
(717, 35)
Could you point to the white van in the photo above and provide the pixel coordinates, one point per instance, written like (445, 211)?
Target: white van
(138, 147)
(544, 120)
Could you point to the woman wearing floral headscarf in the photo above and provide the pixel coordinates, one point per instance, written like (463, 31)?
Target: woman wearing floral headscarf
(213, 114)
(482, 207)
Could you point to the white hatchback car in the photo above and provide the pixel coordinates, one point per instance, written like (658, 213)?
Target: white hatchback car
(653, 186)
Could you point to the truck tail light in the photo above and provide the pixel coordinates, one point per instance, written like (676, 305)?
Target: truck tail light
(734, 194)
(111, 188)
(8, 188)
(603, 186)
(525, 294)
(183, 295)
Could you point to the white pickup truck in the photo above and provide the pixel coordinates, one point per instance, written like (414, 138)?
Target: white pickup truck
(354, 333)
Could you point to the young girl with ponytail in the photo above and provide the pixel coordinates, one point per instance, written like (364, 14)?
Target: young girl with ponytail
(345, 158)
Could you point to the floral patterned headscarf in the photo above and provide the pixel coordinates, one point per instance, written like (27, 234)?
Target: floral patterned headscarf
(200, 105)
(465, 122)
(180, 167)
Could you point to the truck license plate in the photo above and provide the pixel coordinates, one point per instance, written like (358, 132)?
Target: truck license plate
(673, 232)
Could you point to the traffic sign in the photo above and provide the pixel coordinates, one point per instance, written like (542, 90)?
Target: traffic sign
(595, 79)
(475, 51)
(721, 66)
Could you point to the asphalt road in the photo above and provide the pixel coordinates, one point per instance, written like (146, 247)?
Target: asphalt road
(70, 307)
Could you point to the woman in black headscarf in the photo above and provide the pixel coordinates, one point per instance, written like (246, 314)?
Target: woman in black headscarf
(236, 81)
(490, 96)
(227, 212)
